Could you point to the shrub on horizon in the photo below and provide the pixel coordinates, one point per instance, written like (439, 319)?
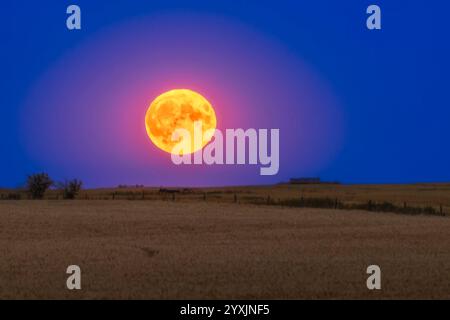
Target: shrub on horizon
(37, 184)
(70, 188)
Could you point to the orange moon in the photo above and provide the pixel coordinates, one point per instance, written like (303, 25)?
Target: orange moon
(178, 109)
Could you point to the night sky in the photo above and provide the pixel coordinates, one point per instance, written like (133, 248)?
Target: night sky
(351, 104)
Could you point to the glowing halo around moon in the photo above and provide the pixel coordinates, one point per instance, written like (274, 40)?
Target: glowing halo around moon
(179, 109)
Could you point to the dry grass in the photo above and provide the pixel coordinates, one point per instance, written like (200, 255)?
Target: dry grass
(414, 194)
(433, 195)
(157, 249)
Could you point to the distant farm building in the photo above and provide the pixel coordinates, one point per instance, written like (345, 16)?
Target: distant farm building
(304, 181)
(313, 180)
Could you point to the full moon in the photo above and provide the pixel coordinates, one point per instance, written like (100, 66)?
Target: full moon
(179, 109)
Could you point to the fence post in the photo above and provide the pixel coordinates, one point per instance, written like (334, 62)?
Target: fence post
(235, 198)
(204, 196)
(440, 209)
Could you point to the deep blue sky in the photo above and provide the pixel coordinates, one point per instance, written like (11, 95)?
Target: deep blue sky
(393, 85)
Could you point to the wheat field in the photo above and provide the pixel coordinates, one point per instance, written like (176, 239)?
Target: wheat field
(217, 250)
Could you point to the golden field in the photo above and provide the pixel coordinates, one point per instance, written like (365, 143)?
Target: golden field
(209, 247)
(425, 194)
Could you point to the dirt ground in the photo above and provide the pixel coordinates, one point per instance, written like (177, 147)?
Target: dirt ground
(206, 250)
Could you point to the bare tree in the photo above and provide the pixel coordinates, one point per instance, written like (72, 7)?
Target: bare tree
(37, 184)
(70, 188)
